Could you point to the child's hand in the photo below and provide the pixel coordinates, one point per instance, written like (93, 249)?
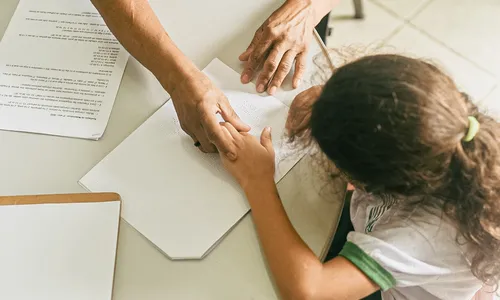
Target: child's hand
(300, 110)
(255, 159)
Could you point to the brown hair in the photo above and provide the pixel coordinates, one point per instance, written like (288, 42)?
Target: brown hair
(395, 125)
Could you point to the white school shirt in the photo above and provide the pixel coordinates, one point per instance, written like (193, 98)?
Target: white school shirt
(410, 255)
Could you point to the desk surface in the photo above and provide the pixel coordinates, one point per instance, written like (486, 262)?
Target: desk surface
(236, 269)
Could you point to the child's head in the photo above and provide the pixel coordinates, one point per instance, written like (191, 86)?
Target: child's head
(396, 125)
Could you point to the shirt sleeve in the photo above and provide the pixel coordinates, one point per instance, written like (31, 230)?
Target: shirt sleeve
(406, 254)
(369, 266)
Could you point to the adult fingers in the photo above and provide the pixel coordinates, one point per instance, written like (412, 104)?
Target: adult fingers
(284, 68)
(256, 59)
(215, 135)
(300, 69)
(196, 143)
(255, 40)
(271, 64)
(226, 131)
(204, 143)
(232, 131)
(229, 115)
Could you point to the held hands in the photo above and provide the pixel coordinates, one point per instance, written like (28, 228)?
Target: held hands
(197, 101)
(282, 39)
(255, 163)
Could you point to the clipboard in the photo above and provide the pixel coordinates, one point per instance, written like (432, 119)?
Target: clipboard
(59, 198)
(58, 246)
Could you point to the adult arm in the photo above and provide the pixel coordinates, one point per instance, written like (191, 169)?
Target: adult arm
(196, 99)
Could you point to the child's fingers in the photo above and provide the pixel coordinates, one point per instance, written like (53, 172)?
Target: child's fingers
(232, 131)
(266, 140)
(225, 131)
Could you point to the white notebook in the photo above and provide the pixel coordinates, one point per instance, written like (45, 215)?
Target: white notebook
(180, 199)
(58, 247)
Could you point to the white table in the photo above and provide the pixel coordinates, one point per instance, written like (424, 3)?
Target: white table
(236, 269)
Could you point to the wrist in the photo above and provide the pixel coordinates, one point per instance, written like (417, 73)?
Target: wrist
(178, 76)
(259, 186)
(319, 8)
(175, 70)
(305, 5)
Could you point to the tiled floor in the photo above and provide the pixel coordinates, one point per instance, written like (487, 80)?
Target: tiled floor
(462, 36)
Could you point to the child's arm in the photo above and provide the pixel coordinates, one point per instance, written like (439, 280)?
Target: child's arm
(299, 274)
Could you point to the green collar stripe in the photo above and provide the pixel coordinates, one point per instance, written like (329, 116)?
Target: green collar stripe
(368, 265)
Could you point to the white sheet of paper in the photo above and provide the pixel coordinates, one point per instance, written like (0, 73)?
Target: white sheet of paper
(182, 200)
(58, 251)
(60, 69)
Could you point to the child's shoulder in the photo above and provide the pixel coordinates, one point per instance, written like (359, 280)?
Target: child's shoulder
(420, 230)
(417, 246)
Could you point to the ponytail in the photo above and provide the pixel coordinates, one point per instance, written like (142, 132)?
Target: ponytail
(475, 199)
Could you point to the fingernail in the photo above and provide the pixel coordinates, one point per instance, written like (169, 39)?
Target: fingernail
(245, 78)
(272, 90)
(268, 129)
(260, 88)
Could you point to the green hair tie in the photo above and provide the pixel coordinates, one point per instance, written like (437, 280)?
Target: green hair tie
(473, 129)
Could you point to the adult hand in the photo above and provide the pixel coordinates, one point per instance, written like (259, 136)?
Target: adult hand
(282, 39)
(197, 102)
(300, 110)
(255, 163)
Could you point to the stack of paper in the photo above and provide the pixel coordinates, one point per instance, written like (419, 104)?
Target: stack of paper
(58, 247)
(60, 69)
(182, 200)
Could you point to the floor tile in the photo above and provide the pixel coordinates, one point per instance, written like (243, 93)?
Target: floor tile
(491, 105)
(468, 77)
(347, 31)
(403, 8)
(472, 28)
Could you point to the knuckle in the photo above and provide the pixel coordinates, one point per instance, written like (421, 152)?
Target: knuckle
(255, 57)
(301, 65)
(274, 31)
(267, 28)
(272, 65)
(285, 65)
